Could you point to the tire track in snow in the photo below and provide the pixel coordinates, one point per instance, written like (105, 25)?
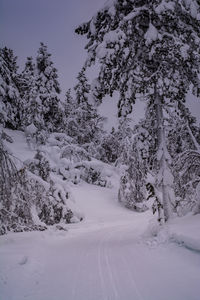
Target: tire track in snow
(132, 278)
(100, 269)
(109, 268)
(119, 232)
(108, 284)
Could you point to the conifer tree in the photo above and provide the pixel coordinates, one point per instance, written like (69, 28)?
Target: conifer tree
(69, 115)
(10, 102)
(88, 121)
(31, 110)
(149, 49)
(48, 89)
(109, 150)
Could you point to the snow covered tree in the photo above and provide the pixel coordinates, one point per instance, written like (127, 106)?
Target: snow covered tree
(28, 193)
(109, 149)
(15, 211)
(31, 108)
(69, 115)
(89, 122)
(81, 120)
(26, 78)
(48, 89)
(10, 102)
(149, 49)
(184, 148)
(132, 190)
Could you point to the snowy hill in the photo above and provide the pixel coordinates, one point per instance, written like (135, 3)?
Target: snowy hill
(54, 167)
(114, 253)
(107, 256)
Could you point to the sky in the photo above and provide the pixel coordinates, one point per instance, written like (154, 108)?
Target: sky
(26, 23)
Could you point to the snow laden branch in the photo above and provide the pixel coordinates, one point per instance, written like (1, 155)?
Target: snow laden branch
(149, 48)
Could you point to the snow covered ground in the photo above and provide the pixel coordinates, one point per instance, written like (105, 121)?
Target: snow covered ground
(111, 255)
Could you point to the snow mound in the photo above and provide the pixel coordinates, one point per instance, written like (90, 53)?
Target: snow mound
(186, 231)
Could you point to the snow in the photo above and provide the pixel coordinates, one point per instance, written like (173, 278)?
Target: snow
(132, 15)
(31, 129)
(113, 254)
(109, 255)
(151, 34)
(19, 147)
(184, 51)
(112, 37)
(163, 6)
(186, 231)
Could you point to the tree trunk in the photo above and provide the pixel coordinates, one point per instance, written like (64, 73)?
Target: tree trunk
(164, 175)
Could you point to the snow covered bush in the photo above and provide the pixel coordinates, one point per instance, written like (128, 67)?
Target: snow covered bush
(131, 192)
(15, 197)
(31, 196)
(39, 166)
(49, 201)
(94, 172)
(59, 139)
(75, 153)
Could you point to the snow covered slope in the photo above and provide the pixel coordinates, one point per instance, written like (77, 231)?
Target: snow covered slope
(106, 257)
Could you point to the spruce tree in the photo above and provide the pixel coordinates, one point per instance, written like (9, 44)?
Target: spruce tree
(48, 89)
(10, 102)
(88, 121)
(31, 110)
(148, 49)
(109, 150)
(69, 115)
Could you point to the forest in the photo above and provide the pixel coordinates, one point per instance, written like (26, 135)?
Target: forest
(158, 158)
(95, 214)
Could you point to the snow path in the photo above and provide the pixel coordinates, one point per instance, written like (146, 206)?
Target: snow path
(104, 257)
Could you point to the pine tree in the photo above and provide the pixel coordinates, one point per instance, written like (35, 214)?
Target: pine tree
(69, 115)
(10, 102)
(149, 49)
(31, 109)
(48, 89)
(27, 77)
(88, 122)
(109, 150)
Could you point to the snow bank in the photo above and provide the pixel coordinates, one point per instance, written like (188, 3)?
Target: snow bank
(186, 231)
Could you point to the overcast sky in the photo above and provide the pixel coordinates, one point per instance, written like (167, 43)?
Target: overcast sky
(26, 23)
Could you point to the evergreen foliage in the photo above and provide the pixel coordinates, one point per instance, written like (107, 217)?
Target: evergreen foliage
(48, 89)
(149, 49)
(31, 110)
(88, 121)
(10, 102)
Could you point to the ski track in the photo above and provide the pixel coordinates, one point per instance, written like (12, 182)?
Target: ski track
(102, 258)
